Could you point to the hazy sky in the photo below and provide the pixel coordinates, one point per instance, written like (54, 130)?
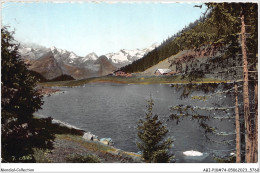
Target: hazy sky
(97, 27)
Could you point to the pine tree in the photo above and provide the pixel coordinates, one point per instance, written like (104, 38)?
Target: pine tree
(234, 33)
(151, 133)
(19, 100)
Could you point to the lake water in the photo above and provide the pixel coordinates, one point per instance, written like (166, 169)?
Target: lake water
(113, 110)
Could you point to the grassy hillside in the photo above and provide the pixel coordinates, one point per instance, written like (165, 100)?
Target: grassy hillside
(164, 64)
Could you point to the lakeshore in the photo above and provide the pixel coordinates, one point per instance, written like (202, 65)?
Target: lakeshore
(48, 91)
(131, 80)
(70, 141)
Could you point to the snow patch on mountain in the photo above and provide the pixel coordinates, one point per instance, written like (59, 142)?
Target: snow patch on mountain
(124, 57)
(31, 52)
(91, 56)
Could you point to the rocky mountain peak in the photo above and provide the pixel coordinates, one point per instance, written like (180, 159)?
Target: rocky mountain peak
(91, 56)
(54, 61)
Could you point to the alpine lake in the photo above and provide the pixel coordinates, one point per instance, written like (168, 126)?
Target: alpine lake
(111, 110)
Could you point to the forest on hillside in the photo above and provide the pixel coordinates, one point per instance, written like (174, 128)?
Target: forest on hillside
(217, 35)
(167, 48)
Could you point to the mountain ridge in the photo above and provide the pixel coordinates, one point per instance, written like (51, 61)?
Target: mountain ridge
(64, 62)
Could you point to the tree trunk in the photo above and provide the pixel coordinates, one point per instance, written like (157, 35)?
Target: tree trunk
(256, 125)
(238, 149)
(248, 127)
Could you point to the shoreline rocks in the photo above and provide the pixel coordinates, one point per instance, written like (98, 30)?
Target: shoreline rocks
(47, 91)
(87, 135)
(107, 141)
(90, 137)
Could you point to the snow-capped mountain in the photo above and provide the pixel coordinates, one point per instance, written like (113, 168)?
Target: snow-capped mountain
(119, 59)
(72, 58)
(52, 62)
(32, 52)
(124, 57)
(65, 56)
(91, 56)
